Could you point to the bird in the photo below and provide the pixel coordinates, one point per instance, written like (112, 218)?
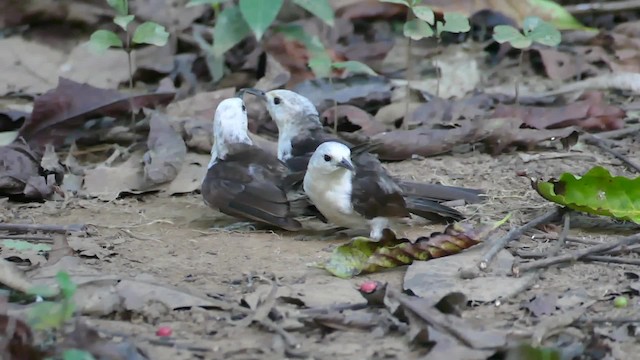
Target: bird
(300, 132)
(243, 180)
(352, 195)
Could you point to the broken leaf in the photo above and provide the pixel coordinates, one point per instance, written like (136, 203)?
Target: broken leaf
(362, 255)
(150, 33)
(167, 151)
(596, 192)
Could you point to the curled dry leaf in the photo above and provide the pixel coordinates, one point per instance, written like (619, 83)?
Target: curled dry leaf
(350, 116)
(68, 105)
(167, 151)
(362, 255)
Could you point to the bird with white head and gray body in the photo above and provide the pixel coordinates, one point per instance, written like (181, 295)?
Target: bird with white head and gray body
(243, 180)
(352, 196)
(301, 132)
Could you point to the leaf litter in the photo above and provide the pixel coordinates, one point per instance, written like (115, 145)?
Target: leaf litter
(80, 146)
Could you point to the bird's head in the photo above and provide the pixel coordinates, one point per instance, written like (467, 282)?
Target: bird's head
(229, 125)
(288, 109)
(331, 157)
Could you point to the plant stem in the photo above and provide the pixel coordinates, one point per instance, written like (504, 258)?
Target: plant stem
(128, 50)
(405, 122)
(335, 106)
(520, 60)
(435, 61)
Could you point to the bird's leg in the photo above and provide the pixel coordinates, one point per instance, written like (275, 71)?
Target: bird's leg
(323, 235)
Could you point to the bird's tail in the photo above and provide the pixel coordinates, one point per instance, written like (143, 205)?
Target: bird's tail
(440, 193)
(432, 210)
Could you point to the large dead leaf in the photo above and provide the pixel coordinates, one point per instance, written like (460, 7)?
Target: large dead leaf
(108, 182)
(71, 103)
(31, 67)
(167, 151)
(172, 14)
(18, 163)
(439, 277)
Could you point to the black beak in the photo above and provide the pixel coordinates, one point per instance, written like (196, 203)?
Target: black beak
(257, 92)
(345, 163)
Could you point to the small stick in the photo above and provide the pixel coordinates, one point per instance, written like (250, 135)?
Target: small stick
(572, 256)
(42, 227)
(500, 243)
(612, 260)
(602, 144)
(563, 234)
(613, 321)
(620, 133)
(27, 237)
(609, 6)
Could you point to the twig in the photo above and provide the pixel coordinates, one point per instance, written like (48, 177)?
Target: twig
(604, 320)
(612, 260)
(42, 227)
(601, 143)
(603, 6)
(28, 237)
(164, 342)
(562, 238)
(500, 243)
(572, 256)
(620, 133)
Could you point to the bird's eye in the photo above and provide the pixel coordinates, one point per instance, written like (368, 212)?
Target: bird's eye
(327, 158)
(277, 100)
(244, 108)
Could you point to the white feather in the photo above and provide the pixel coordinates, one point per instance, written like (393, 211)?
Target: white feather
(229, 127)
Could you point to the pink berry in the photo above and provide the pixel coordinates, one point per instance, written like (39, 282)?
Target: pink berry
(164, 331)
(368, 287)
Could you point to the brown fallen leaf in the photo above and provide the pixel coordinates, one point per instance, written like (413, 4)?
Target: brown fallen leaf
(108, 182)
(589, 113)
(88, 339)
(503, 133)
(167, 151)
(72, 103)
(18, 163)
(351, 117)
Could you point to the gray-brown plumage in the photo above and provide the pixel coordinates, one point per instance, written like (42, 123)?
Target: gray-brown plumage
(243, 180)
(300, 133)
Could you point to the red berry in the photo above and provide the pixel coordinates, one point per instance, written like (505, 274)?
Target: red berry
(164, 331)
(368, 287)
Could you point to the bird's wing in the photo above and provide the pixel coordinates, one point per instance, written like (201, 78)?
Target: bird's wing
(248, 184)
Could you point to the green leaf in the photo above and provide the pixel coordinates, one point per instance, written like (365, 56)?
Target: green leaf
(541, 32)
(402, 2)
(259, 14)
(101, 40)
(123, 20)
(596, 192)
(49, 315)
(76, 354)
(7, 137)
(354, 67)
(506, 33)
(120, 6)
(229, 30)
(361, 255)
(558, 15)
(424, 13)
(417, 29)
(150, 33)
(21, 245)
(67, 286)
(454, 23)
(319, 8)
(319, 59)
(205, 2)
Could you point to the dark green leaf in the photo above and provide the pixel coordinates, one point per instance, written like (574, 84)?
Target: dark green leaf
(101, 40)
(402, 2)
(120, 6)
(417, 29)
(545, 34)
(21, 245)
(319, 8)
(424, 13)
(506, 33)
(454, 23)
(229, 30)
(123, 21)
(259, 14)
(76, 354)
(150, 33)
(354, 67)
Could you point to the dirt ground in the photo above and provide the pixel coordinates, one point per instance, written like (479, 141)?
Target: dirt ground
(169, 238)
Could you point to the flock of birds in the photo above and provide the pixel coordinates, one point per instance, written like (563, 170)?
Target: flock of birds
(315, 174)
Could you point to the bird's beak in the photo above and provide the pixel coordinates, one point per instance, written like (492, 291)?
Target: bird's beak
(345, 163)
(240, 93)
(257, 92)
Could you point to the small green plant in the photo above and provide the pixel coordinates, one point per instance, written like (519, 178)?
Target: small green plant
(148, 32)
(421, 23)
(48, 315)
(235, 23)
(535, 30)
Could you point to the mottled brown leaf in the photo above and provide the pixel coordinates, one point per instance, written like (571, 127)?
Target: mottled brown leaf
(167, 151)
